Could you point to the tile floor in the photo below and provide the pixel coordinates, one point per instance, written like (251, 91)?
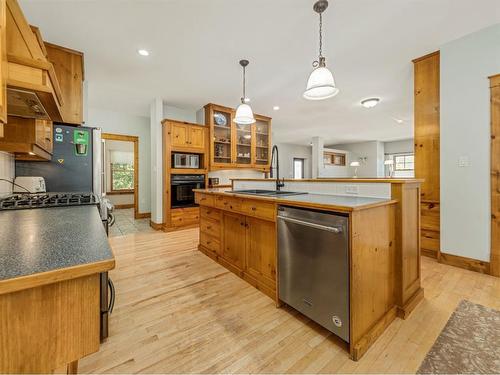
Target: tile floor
(126, 224)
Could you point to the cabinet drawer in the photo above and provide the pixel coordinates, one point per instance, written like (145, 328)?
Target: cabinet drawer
(209, 242)
(205, 199)
(429, 216)
(185, 216)
(210, 227)
(209, 212)
(263, 210)
(228, 203)
(430, 240)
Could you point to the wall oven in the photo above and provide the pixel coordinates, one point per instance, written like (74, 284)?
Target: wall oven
(182, 186)
(191, 161)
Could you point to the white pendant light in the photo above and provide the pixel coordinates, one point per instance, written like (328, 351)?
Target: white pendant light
(244, 114)
(320, 84)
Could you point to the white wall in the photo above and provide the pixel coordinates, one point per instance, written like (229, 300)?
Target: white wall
(466, 64)
(287, 152)
(7, 171)
(399, 147)
(373, 151)
(225, 176)
(121, 123)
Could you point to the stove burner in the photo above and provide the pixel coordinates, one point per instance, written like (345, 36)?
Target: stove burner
(23, 201)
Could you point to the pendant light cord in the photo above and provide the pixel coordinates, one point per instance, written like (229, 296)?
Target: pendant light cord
(321, 35)
(244, 84)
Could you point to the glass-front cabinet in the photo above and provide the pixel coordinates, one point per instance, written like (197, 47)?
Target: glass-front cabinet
(237, 146)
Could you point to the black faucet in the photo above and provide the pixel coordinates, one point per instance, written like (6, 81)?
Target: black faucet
(279, 183)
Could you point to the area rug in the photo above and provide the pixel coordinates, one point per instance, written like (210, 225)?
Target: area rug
(468, 344)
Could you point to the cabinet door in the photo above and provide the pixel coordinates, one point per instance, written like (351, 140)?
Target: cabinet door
(262, 143)
(261, 250)
(233, 250)
(221, 152)
(43, 134)
(180, 135)
(196, 137)
(3, 66)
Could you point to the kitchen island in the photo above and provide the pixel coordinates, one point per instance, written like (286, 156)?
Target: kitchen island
(51, 260)
(240, 232)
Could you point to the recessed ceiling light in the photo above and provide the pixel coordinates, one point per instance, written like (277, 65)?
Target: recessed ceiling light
(143, 52)
(398, 120)
(276, 108)
(370, 102)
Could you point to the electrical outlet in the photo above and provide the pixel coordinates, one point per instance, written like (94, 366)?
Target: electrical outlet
(352, 189)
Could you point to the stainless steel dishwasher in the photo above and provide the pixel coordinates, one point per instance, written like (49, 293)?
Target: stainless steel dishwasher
(313, 266)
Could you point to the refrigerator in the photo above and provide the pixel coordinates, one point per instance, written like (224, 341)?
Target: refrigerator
(77, 161)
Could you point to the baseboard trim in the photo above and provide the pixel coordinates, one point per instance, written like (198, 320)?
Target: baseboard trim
(429, 253)
(465, 263)
(144, 215)
(123, 206)
(155, 226)
(405, 311)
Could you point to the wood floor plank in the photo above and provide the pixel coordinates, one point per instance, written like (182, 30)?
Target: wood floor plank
(177, 311)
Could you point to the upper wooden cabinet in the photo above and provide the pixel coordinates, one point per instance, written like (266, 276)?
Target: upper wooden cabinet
(186, 137)
(237, 146)
(68, 65)
(32, 85)
(28, 139)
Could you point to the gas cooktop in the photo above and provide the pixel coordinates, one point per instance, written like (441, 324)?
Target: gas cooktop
(42, 200)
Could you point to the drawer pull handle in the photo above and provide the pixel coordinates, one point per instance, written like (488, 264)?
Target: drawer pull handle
(254, 208)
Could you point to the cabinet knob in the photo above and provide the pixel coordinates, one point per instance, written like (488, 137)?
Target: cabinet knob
(209, 227)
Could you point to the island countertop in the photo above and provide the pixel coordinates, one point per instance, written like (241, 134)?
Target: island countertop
(325, 201)
(40, 246)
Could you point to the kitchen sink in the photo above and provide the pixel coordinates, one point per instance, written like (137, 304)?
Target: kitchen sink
(269, 193)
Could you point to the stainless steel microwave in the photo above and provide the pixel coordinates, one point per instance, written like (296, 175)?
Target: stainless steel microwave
(191, 161)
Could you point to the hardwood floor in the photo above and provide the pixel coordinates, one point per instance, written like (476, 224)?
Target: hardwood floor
(177, 311)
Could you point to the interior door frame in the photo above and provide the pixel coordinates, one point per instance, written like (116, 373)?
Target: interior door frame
(495, 177)
(135, 140)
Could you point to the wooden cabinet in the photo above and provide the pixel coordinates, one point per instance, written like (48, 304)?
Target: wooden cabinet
(187, 136)
(28, 139)
(68, 66)
(241, 235)
(261, 250)
(233, 240)
(3, 66)
(427, 161)
(235, 146)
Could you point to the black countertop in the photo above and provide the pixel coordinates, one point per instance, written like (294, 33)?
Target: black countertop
(46, 239)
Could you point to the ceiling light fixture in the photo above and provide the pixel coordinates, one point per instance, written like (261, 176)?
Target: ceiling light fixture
(246, 100)
(276, 108)
(143, 52)
(244, 114)
(320, 84)
(370, 102)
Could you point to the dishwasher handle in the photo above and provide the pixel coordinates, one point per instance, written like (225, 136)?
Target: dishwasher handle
(312, 225)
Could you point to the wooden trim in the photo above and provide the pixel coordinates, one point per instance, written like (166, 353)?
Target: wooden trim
(155, 226)
(43, 278)
(164, 121)
(120, 192)
(123, 206)
(405, 311)
(144, 215)
(465, 263)
(426, 56)
(359, 349)
(135, 139)
(495, 176)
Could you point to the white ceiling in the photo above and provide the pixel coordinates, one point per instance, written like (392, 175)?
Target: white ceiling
(195, 46)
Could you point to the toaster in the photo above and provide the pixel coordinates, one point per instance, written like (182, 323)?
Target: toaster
(25, 185)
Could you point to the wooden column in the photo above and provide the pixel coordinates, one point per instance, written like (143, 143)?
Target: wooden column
(427, 129)
(495, 176)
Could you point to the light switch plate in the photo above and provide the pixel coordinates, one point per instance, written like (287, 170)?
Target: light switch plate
(463, 161)
(352, 189)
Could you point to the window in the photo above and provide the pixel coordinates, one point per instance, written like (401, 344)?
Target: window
(403, 162)
(122, 177)
(404, 165)
(298, 168)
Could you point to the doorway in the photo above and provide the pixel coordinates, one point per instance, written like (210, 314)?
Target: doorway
(121, 158)
(298, 168)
